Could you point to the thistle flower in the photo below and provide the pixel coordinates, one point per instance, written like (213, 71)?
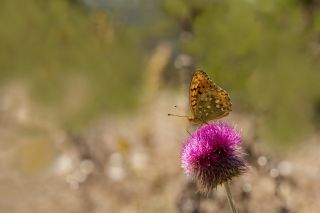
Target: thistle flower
(212, 155)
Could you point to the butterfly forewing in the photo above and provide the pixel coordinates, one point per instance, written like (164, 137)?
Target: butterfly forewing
(207, 100)
(200, 82)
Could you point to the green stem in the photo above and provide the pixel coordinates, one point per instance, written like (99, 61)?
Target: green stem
(231, 202)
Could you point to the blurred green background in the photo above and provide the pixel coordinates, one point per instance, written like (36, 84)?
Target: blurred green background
(67, 66)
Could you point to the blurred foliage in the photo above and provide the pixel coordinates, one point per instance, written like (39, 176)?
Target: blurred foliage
(51, 44)
(263, 52)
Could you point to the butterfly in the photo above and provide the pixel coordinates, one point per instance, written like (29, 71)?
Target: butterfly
(207, 100)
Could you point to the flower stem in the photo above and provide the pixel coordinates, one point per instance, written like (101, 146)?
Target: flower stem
(231, 202)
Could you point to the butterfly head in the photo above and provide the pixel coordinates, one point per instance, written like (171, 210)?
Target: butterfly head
(193, 119)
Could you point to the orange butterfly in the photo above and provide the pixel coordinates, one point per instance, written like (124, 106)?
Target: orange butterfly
(207, 100)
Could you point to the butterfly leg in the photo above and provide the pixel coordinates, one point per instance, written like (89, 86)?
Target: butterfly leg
(188, 132)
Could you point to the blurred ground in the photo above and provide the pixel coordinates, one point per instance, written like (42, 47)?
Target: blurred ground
(132, 165)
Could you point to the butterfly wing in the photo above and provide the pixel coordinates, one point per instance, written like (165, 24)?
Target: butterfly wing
(208, 101)
(200, 83)
(213, 104)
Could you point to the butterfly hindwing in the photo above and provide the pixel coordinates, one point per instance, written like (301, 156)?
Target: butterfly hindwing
(213, 104)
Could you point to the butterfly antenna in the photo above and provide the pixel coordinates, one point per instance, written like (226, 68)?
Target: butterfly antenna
(178, 108)
(182, 116)
(180, 111)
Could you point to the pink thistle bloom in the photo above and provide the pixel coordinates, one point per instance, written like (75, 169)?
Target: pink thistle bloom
(212, 155)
